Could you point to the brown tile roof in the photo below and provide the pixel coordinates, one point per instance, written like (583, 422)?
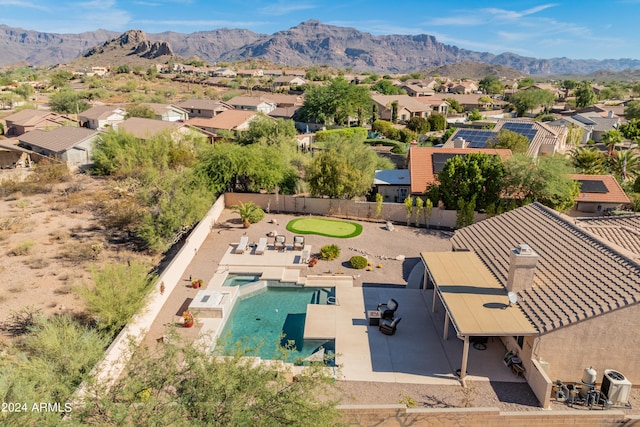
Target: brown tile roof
(420, 163)
(623, 231)
(99, 112)
(614, 194)
(204, 104)
(577, 276)
(406, 101)
(227, 120)
(57, 140)
(144, 128)
(27, 117)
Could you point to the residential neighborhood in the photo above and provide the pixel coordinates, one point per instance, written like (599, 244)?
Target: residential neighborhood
(491, 231)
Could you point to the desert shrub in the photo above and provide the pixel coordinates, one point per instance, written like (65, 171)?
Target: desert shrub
(85, 251)
(358, 262)
(349, 133)
(23, 248)
(329, 252)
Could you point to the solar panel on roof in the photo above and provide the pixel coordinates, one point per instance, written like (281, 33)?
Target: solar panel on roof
(476, 138)
(588, 186)
(439, 159)
(525, 129)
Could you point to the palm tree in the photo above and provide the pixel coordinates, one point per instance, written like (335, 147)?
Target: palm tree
(588, 160)
(612, 138)
(249, 213)
(624, 164)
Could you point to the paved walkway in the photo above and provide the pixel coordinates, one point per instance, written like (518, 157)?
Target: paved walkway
(415, 354)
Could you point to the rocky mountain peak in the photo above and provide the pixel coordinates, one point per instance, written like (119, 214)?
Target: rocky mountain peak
(134, 42)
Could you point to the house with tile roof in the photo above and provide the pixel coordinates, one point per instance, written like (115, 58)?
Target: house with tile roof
(288, 82)
(231, 120)
(28, 120)
(600, 194)
(622, 231)
(580, 293)
(205, 108)
(72, 145)
(102, 116)
(253, 103)
(167, 112)
(417, 90)
(599, 125)
(544, 139)
(408, 107)
(143, 128)
(462, 87)
(424, 163)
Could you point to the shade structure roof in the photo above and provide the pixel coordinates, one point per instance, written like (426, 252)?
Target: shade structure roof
(477, 303)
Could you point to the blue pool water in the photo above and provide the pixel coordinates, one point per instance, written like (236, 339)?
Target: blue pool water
(266, 321)
(240, 279)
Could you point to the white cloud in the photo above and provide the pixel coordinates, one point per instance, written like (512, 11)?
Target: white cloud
(284, 8)
(24, 4)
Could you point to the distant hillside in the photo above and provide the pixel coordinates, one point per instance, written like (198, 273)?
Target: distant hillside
(474, 70)
(308, 43)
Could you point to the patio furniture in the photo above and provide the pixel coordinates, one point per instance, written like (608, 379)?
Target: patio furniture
(242, 246)
(262, 245)
(374, 317)
(305, 257)
(280, 242)
(388, 326)
(388, 309)
(298, 243)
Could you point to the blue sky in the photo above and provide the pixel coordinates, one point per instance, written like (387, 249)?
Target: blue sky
(575, 29)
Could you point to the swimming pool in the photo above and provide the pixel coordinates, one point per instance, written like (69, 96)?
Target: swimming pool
(240, 279)
(272, 318)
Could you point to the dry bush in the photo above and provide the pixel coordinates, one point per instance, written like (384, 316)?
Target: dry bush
(23, 248)
(21, 322)
(64, 290)
(16, 289)
(12, 224)
(59, 236)
(37, 263)
(84, 251)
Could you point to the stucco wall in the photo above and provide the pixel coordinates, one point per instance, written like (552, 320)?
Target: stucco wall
(395, 212)
(609, 341)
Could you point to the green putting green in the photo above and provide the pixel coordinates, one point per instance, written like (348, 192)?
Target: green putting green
(325, 227)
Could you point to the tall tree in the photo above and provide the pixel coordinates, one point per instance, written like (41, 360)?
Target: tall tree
(336, 103)
(632, 110)
(588, 160)
(585, 95)
(510, 140)
(527, 100)
(611, 138)
(491, 85)
(464, 177)
(545, 180)
(569, 85)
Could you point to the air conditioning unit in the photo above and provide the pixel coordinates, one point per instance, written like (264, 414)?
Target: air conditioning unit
(616, 387)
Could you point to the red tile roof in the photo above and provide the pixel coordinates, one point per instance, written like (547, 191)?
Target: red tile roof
(421, 163)
(614, 194)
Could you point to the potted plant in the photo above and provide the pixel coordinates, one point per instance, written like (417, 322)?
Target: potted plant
(313, 261)
(197, 283)
(188, 319)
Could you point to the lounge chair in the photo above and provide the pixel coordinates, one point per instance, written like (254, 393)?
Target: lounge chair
(388, 326)
(280, 242)
(298, 243)
(262, 245)
(388, 310)
(242, 246)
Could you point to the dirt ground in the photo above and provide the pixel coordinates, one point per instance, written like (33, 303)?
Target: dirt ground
(49, 243)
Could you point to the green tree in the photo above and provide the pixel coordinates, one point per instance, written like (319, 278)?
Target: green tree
(465, 212)
(526, 82)
(68, 101)
(267, 131)
(437, 122)
(454, 104)
(140, 110)
(386, 87)
(588, 160)
(117, 294)
(60, 79)
(632, 110)
(491, 85)
(624, 164)
(545, 180)
(477, 174)
(569, 85)
(379, 204)
(611, 138)
(419, 209)
(419, 124)
(336, 103)
(527, 100)
(177, 384)
(25, 90)
(475, 115)
(631, 130)
(408, 204)
(513, 141)
(585, 95)
(249, 212)
(426, 212)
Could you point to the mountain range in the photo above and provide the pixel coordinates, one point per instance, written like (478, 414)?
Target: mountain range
(308, 43)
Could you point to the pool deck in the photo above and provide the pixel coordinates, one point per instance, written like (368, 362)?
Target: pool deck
(416, 353)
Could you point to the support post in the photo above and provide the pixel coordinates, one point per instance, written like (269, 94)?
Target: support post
(465, 357)
(445, 336)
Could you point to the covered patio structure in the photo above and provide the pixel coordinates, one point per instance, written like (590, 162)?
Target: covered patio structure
(475, 302)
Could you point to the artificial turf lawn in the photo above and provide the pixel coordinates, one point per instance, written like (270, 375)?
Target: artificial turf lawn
(325, 227)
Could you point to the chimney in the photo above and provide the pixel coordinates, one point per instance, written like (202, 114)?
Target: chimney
(610, 114)
(522, 266)
(459, 143)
